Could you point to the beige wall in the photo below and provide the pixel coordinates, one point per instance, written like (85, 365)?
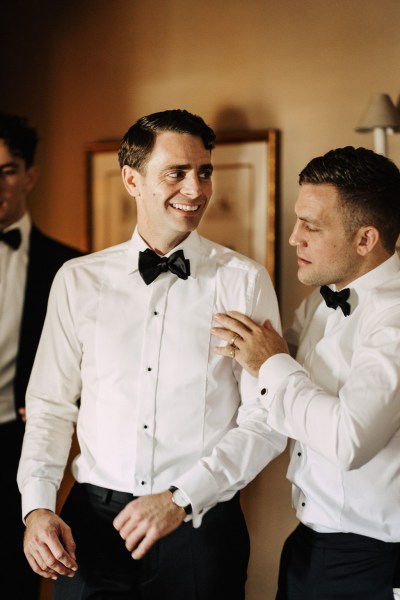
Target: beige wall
(85, 70)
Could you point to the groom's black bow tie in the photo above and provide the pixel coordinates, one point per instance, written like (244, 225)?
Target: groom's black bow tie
(335, 299)
(12, 238)
(151, 265)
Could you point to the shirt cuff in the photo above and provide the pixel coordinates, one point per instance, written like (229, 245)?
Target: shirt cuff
(38, 494)
(200, 487)
(275, 370)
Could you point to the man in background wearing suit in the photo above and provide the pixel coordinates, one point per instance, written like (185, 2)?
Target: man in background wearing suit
(28, 262)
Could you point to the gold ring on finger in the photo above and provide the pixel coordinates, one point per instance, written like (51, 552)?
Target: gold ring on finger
(232, 352)
(234, 339)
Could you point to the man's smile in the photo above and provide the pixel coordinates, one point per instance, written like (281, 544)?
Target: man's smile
(186, 207)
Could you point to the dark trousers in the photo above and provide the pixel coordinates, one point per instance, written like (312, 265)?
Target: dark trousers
(396, 579)
(207, 563)
(336, 566)
(15, 571)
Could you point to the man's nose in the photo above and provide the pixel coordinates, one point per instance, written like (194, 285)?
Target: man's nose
(294, 237)
(191, 186)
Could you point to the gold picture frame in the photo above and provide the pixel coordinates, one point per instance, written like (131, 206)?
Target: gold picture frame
(243, 210)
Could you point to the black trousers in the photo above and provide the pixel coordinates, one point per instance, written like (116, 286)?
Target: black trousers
(336, 566)
(207, 563)
(14, 567)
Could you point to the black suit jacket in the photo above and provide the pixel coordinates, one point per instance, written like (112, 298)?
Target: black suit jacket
(46, 256)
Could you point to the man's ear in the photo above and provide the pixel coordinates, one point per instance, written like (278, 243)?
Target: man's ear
(130, 178)
(32, 175)
(367, 239)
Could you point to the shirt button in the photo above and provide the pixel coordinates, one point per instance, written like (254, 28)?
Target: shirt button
(142, 483)
(303, 503)
(263, 391)
(149, 368)
(155, 313)
(145, 426)
(299, 454)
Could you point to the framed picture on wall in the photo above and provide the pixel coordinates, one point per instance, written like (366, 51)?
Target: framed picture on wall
(242, 213)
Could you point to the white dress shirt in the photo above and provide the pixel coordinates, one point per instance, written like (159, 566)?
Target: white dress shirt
(343, 408)
(158, 406)
(13, 272)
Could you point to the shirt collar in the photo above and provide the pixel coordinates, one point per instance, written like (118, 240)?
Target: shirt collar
(377, 276)
(373, 279)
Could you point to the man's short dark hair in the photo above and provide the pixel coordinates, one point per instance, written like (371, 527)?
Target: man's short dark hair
(19, 137)
(368, 186)
(139, 140)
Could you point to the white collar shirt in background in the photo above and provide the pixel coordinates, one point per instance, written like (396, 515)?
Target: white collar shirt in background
(158, 406)
(13, 273)
(343, 408)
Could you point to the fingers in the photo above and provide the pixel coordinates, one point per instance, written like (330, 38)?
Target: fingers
(236, 322)
(141, 539)
(39, 566)
(49, 562)
(236, 328)
(130, 527)
(249, 343)
(49, 545)
(22, 413)
(45, 563)
(122, 518)
(146, 520)
(134, 532)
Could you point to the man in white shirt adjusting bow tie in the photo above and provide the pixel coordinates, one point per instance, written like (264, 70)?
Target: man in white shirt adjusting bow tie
(339, 400)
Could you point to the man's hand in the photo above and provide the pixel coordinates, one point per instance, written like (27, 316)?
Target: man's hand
(22, 414)
(249, 343)
(49, 545)
(147, 519)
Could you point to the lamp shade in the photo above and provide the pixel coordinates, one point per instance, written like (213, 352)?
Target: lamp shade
(380, 112)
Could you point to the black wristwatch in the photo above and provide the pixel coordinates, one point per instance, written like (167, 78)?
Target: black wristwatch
(180, 499)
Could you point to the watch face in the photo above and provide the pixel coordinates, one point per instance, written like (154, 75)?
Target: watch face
(180, 499)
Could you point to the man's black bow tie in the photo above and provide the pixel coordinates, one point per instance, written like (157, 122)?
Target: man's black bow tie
(12, 238)
(335, 299)
(151, 265)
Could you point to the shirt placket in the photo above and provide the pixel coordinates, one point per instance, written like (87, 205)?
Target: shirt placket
(147, 396)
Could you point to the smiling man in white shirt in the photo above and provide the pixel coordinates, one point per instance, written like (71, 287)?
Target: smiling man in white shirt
(340, 399)
(168, 431)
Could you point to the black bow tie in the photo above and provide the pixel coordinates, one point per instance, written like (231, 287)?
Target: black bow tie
(12, 238)
(335, 299)
(151, 265)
